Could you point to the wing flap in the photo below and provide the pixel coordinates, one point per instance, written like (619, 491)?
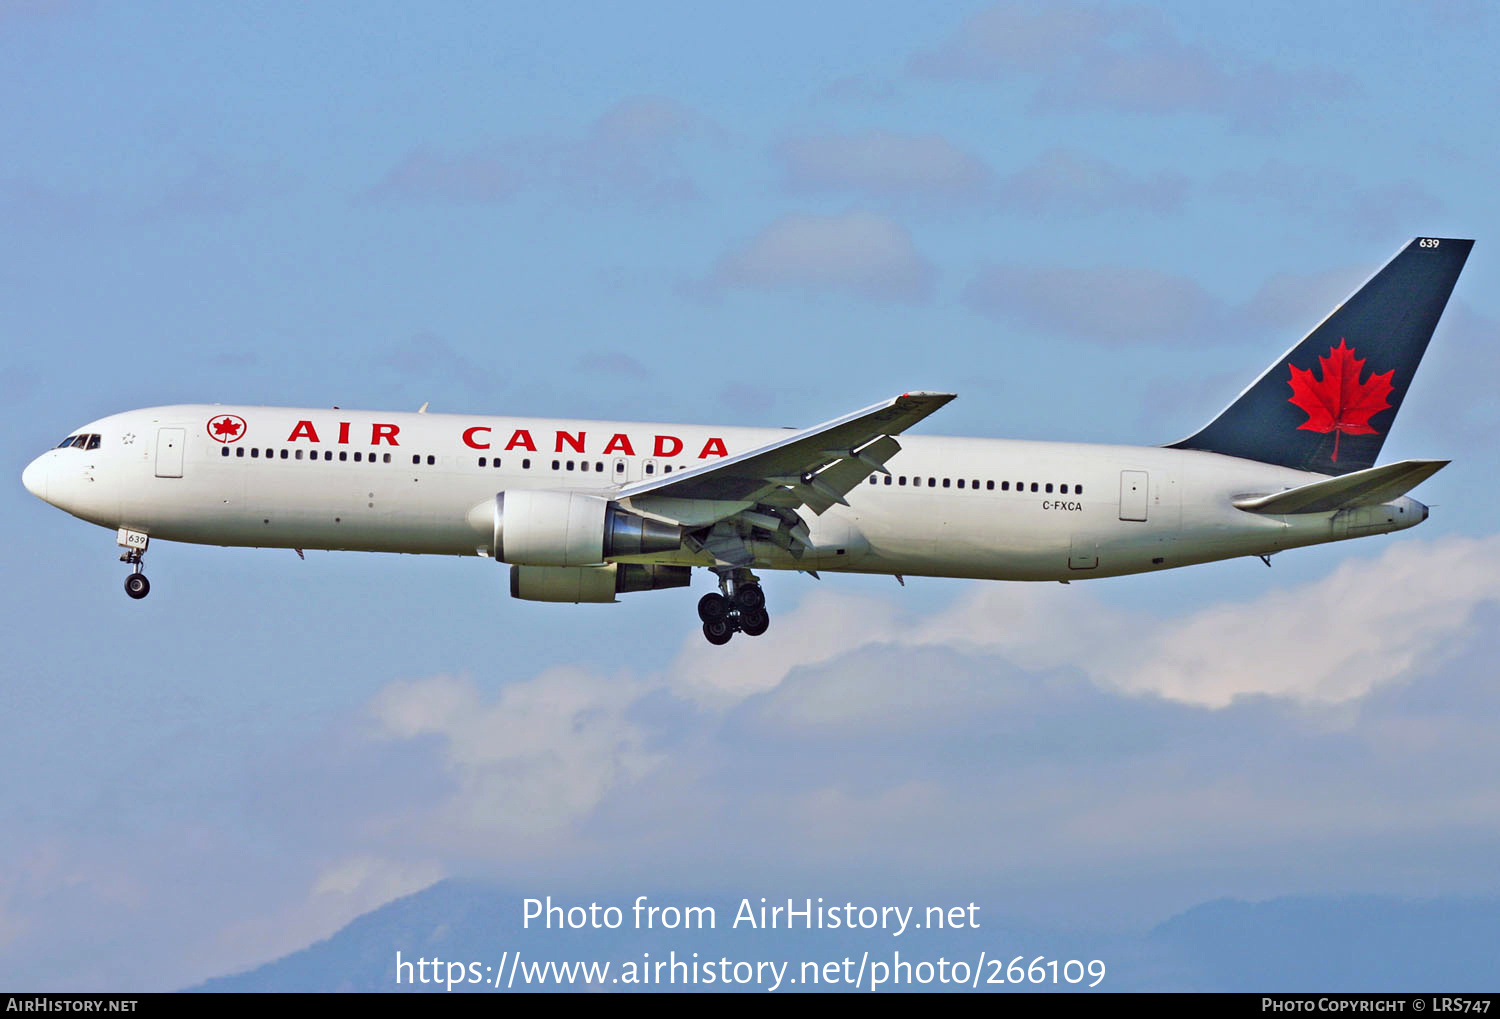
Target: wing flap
(1369, 487)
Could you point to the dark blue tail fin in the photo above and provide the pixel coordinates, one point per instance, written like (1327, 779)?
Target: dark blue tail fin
(1327, 405)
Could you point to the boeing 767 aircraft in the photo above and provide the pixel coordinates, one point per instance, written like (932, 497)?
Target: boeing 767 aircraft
(582, 511)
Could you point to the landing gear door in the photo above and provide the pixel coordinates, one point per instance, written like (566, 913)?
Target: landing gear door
(1083, 554)
(1133, 489)
(169, 443)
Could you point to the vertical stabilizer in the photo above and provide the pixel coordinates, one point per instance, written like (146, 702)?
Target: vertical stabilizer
(1327, 404)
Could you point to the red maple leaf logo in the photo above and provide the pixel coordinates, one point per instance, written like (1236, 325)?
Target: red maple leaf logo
(227, 428)
(1339, 402)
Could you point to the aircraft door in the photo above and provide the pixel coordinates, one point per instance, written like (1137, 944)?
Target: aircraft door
(1133, 490)
(169, 443)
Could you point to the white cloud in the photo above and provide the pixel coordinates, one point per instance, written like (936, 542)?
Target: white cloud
(630, 152)
(882, 164)
(1101, 304)
(857, 253)
(1368, 623)
(1066, 181)
(542, 754)
(1124, 59)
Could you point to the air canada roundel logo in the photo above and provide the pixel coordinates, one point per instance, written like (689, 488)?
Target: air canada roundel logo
(226, 428)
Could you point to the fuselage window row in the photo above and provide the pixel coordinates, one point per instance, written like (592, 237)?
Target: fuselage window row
(989, 486)
(296, 454)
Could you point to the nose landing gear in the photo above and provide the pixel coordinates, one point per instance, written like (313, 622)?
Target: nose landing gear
(740, 606)
(134, 543)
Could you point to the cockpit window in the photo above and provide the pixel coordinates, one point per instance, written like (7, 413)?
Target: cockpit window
(66, 442)
(80, 442)
(93, 442)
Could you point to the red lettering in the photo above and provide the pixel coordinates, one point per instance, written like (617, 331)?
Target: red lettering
(343, 431)
(713, 447)
(521, 438)
(469, 439)
(304, 430)
(619, 443)
(576, 443)
(661, 445)
(386, 432)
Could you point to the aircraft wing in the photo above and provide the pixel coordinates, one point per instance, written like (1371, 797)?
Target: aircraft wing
(815, 467)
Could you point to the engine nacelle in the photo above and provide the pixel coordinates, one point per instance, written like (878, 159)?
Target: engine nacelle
(550, 528)
(592, 583)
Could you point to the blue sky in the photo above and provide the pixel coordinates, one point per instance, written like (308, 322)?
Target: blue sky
(1093, 222)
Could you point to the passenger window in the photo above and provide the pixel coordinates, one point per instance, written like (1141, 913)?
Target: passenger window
(570, 465)
(667, 469)
(484, 461)
(1004, 486)
(945, 482)
(1077, 489)
(989, 486)
(328, 454)
(299, 454)
(1063, 489)
(495, 462)
(932, 482)
(416, 459)
(960, 482)
(387, 459)
(283, 454)
(255, 451)
(1033, 486)
(431, 459)
(239, 451)
(901, 482)
(1049, 487)
(887, 479)
(598, 466)
(358, 458)
(620, 467)
(651, 468)
(223, 450)
(526, 464)
(344, 455)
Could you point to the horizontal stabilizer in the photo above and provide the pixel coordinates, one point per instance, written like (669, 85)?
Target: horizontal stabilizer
(1369, 487)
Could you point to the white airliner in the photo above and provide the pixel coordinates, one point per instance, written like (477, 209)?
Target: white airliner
(585, 510)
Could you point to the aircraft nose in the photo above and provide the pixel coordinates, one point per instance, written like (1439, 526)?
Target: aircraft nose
(34, 477)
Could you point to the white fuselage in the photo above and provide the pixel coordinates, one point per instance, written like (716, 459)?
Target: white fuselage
(423, 483)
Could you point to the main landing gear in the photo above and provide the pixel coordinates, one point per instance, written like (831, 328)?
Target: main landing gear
(134, 543)
(740, 606)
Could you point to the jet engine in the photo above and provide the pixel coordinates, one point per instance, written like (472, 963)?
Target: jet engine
(592, 583)
(549, 528)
